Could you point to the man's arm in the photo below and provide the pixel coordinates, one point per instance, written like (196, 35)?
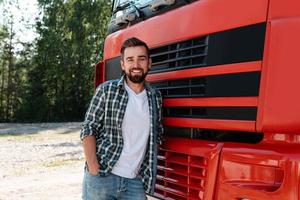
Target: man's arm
(90, 129)
(89, 147)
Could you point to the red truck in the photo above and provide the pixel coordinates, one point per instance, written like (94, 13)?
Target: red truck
(229, 72)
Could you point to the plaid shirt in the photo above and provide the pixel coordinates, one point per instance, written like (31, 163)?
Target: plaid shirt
(104, 120)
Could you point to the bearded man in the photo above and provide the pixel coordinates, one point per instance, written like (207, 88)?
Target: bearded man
(121, 130)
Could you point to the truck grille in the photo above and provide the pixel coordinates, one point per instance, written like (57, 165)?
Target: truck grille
(235, 113)
(180, 176)
(242, 44)
(225, 85)
(181, 55)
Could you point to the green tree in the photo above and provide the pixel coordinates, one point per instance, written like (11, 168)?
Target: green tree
(71, 41)
(14, 64)
(8, 72)
(3, 81)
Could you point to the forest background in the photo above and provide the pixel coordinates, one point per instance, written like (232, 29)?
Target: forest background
(50, 79)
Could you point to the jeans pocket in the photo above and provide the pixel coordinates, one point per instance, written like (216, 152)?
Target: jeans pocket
(98, 187)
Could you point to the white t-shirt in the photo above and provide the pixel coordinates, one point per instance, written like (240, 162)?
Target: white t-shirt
(135, 132)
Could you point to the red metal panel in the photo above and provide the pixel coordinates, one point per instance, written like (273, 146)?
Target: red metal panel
(99, 74)
(283, 9)
(207, 71)
(279, 108)
(281, 138)
(237, 125)
(210, 102)
(248, 174)
(196, 19)
(259, 171)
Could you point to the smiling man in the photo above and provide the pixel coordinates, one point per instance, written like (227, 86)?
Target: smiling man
(121, 130)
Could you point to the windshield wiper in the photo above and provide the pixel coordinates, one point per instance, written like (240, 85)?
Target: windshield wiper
(128, 17)
(157, 4)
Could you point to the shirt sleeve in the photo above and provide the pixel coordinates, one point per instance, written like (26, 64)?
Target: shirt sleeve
(160, 129)
(94, 116)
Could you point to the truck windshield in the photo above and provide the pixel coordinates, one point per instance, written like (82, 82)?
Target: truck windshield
(128, 12)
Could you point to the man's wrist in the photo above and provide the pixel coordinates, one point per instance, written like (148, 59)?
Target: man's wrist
(93, 164)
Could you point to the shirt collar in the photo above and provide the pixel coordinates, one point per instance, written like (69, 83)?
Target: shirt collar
(121, 81)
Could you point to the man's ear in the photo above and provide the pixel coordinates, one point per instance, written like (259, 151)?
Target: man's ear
(150, 63)
(122, 64)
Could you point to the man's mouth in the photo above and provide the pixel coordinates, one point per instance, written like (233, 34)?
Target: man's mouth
(136, 70)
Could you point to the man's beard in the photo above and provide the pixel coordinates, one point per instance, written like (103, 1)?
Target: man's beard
(136, 78)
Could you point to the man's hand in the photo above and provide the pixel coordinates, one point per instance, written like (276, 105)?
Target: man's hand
(94, 168)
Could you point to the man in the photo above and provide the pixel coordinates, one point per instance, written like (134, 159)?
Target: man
(121, 130)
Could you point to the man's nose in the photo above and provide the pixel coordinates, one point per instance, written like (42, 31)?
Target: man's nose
(136, 64)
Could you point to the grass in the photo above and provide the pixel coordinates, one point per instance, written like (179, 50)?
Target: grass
(58, 163)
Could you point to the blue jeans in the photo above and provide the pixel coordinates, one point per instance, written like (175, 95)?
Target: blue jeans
(112, 187)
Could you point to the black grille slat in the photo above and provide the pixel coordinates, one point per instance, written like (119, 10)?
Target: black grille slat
(164, 69)
(177, 50)
(214, 135)
(178, 59)
(182, 87)
(231, 113)
(225, 85)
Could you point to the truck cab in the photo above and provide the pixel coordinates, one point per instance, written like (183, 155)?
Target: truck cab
(229, 72)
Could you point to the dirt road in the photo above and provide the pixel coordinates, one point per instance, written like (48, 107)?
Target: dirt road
(40, 161)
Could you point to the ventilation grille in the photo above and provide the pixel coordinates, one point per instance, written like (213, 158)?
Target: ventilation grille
(181, 55)
(226, 85)
(182, 88)
(180, 176)
(234, 113)
(243, 44)
(214, 135)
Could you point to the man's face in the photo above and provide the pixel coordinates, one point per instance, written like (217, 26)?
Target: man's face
(136, 63)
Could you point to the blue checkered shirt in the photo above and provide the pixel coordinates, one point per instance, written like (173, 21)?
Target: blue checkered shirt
(104, 120)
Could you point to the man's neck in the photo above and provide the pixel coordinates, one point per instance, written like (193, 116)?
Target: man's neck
(136, 87)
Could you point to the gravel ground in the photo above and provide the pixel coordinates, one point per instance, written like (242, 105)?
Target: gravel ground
(40, 161)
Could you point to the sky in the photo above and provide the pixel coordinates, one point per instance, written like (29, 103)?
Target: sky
(28, 10)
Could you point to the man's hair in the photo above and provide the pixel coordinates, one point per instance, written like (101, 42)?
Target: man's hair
(133, 42)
